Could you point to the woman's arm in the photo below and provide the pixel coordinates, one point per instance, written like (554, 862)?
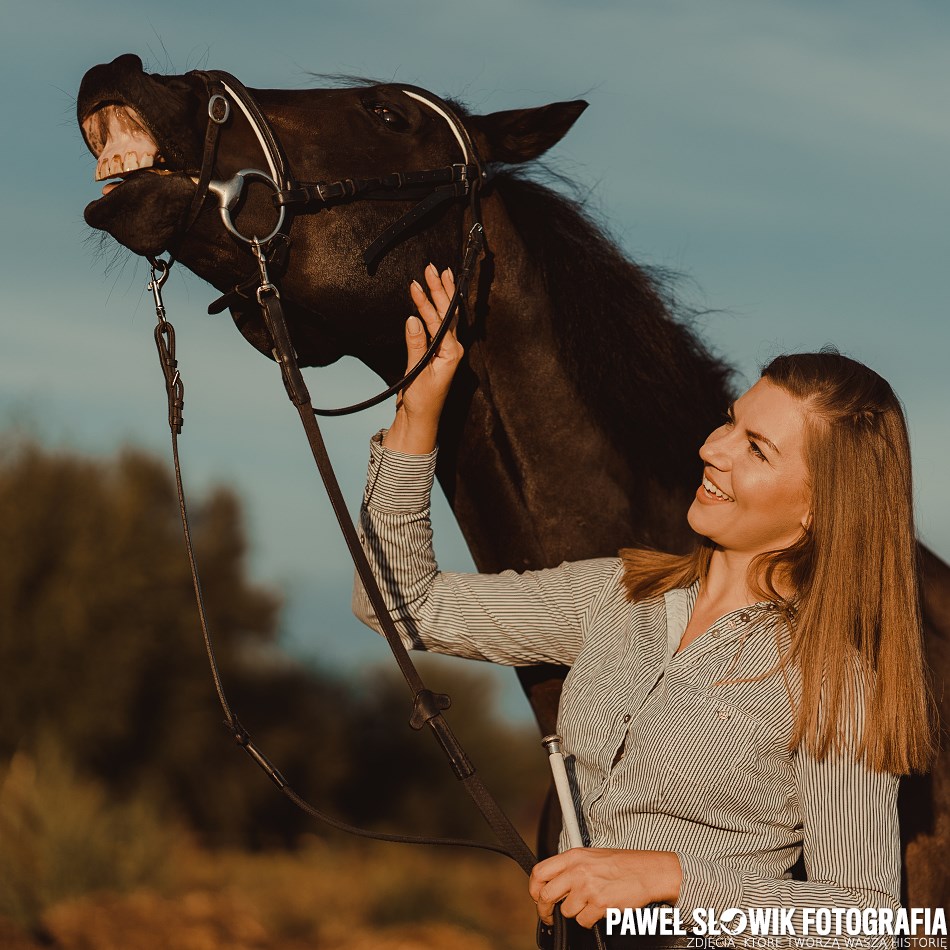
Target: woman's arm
(510, 618)
(515, 619)
(850, 845)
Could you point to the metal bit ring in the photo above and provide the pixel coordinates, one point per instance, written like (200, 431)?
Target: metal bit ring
(229, 193)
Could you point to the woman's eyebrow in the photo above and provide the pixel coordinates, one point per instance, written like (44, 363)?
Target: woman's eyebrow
(730, 412)
(761, 438)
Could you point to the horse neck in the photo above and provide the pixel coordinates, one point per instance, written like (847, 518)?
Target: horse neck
(531, 475)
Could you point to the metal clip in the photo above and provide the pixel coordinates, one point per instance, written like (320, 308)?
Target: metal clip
(160, 270)
(266, 285)
(463, 176)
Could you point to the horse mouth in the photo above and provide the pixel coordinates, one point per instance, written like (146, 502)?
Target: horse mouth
(122, 143)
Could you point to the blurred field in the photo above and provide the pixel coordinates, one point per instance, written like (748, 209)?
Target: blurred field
(332, 897)
(80, 872)
(130, 821)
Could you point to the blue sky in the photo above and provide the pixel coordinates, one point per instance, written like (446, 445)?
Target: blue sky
(788, 158)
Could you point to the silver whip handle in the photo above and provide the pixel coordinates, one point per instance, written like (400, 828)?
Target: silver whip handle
(564, 797)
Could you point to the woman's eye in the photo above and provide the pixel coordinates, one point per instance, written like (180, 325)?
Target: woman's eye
(755, 450)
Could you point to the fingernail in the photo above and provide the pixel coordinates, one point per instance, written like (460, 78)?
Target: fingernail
(432, 268)
(414, 324)
(448, 271)
(416, 283)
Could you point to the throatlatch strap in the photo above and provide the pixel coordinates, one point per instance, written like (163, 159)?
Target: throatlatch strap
(473, 250)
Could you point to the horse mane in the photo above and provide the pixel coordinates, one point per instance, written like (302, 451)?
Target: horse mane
(638, 365)
(643, 373)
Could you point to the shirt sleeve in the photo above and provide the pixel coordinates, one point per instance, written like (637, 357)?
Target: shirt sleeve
(508, 618)
(850, 847)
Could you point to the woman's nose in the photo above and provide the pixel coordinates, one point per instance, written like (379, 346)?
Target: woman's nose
(715, 450)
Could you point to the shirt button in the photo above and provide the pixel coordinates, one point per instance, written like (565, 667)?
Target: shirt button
(724, 713)
(626, 718)
(744, 617)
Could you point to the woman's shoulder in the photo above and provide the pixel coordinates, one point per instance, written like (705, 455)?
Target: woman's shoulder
(592, 574)
(593, 583)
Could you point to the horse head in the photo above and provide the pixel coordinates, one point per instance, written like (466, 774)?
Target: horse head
(148, 134)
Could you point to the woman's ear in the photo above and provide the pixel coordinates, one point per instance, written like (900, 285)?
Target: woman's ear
(806, 522)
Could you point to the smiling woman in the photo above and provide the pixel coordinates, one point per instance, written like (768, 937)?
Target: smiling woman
(802, 453)
(731, 715)
(754, 496)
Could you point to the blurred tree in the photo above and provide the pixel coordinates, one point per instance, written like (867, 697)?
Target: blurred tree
(100, 642)
(98, 621)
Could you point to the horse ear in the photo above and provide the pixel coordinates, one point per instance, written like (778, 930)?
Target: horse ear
(520, 135)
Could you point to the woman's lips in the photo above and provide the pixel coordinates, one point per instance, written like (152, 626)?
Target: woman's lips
(709, 493)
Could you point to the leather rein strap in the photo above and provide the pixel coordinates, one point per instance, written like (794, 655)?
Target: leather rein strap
(427, 706)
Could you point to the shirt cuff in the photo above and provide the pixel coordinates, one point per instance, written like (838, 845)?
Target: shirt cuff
(706, 883)
(397, 481)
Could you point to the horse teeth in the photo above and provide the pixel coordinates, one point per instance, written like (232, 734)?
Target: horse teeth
(119, 135)
(110, 166)
(133, 161)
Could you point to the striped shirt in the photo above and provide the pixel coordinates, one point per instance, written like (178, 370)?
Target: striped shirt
(665, 749)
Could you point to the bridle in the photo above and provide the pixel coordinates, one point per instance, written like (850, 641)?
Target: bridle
(292, 197)
(432, 186)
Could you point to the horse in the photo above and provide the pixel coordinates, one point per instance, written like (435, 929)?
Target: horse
(573, 427)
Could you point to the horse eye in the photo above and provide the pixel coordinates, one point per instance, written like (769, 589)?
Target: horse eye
(391, 119)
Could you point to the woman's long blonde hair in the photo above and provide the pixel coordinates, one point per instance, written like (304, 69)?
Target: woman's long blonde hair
(854, 571)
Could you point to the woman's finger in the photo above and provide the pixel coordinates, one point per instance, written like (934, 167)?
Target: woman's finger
(441, 288)
(573, 905)
(590, 915)
(441, 294)
(425, 307)
(415, 341)
(549, 893)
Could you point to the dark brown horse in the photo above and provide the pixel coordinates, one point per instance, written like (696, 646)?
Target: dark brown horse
(574, 426)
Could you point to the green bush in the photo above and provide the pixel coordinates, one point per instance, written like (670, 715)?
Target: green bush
(61, 835)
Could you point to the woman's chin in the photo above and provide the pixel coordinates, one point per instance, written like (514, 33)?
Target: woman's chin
(697, 520)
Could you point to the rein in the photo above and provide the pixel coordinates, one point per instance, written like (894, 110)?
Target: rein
(427, 706)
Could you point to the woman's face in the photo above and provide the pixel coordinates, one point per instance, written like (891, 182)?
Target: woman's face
(754, 496)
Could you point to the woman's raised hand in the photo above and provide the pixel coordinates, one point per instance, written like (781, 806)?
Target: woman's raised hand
(420, 404)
